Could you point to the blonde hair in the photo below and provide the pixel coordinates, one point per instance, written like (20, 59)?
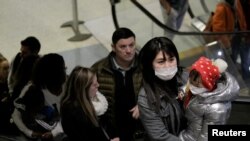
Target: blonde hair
(77, 91)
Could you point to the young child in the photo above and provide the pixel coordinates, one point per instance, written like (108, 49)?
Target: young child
(208, 97)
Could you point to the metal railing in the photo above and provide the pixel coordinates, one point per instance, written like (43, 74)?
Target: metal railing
(162, 25)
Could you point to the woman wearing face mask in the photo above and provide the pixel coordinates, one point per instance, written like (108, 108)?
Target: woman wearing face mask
(208, 100)
(160, 112)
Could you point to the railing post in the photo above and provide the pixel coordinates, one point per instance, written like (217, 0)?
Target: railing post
(74, 24)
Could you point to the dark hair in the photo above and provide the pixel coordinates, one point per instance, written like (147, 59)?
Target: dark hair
(230, 2)
(122, 33)
(49, 72)
(32, 43)
(149, 52)
(194, 75)
(152, 84)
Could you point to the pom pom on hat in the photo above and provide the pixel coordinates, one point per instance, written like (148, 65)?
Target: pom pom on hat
(221, 64)
(208, 71)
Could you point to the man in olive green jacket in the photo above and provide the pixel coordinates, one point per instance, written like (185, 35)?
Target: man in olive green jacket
(120, 80)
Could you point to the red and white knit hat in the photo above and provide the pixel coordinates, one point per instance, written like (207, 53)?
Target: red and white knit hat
(208, 71)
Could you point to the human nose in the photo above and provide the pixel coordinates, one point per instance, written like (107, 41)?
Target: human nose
(167, 64)
(128, 49)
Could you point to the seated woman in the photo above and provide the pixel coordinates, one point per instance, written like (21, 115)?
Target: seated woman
(83, 109)
(36, 111)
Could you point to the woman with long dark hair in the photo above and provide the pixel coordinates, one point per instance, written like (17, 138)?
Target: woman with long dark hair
(160, 112)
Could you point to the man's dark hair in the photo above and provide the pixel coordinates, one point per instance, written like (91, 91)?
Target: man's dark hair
(122, 33)
(32, 43)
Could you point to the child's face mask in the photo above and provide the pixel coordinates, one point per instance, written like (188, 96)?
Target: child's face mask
(197, 90)
(166, 73)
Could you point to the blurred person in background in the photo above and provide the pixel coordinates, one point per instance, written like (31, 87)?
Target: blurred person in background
(29, 46)
(173, 12)
(37, 109)
(245, 52)
(5, 104)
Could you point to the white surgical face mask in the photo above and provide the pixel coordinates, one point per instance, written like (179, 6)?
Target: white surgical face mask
(166, 73)
(196, 90)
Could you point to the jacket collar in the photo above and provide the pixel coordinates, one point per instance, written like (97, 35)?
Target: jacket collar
(115, 66)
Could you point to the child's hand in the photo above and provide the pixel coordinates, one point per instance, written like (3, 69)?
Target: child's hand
(180, 95)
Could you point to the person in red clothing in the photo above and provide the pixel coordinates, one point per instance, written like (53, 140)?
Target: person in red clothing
(228, 17)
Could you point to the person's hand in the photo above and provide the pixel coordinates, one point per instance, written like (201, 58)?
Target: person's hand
(4, 99)
(180, 95)
(36, 134)
(135, 112)
(47, 135)
(115, 139)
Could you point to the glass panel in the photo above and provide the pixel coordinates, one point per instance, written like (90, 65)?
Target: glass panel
(190, 47)
(128, 15)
